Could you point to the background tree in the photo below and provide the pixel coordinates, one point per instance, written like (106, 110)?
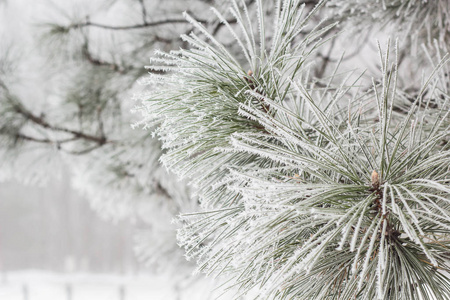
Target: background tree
(65, 81)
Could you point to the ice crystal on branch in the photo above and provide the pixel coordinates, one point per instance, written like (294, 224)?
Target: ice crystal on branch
(310, 189)
(198, 103)
(420, 20)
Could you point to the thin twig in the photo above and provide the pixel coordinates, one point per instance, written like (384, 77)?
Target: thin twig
(144, 11)
(137, 26)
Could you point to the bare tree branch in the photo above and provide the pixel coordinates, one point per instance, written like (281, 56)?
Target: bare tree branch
(19, 108)
(146, 24)
(98, 62)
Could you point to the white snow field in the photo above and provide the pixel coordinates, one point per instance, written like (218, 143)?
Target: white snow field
(38, 285)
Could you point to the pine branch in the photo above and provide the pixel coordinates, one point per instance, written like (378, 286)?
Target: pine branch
(98, 62)
(40, 121)
(285, 169)
(145, 24)
(101, 140)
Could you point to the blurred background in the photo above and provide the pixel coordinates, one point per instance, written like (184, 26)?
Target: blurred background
(85, 209)
(52, 242)
(53, 228)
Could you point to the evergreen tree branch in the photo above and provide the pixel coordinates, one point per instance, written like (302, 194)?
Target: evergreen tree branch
(40, 121)
(308, 192)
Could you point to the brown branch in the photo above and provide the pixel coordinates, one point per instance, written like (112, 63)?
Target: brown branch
(98, 62)
(145, 24)
(20, 136)
(126, 27)
(391, 232)
(326, 60)
(84, 151)
(159, 189)
(161, 39)
(43, 140)
(41, 122)
(135, 26)
(19, 108)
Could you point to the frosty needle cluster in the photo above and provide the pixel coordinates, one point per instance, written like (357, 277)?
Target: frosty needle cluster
(311, 188)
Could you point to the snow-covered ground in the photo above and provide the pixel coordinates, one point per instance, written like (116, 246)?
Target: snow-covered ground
(38, 285)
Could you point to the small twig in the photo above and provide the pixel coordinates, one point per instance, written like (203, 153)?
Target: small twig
(144, 11)
(145, 24)
(126, 27)
(326, 60)
(159, 189)
(84, 151)
(138, 26)
(98, 62)
(43, 140)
